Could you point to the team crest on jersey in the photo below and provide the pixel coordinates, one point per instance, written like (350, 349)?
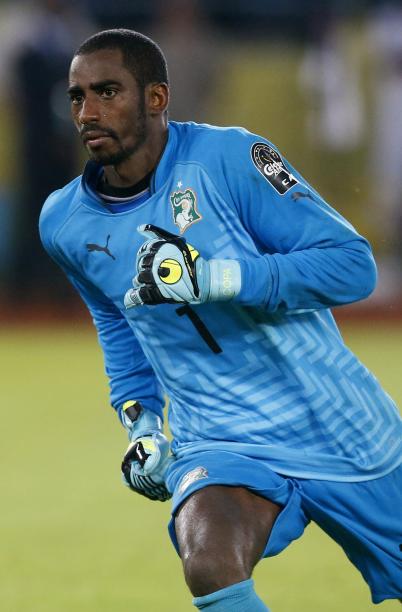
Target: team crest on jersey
(184, 205)
(196, 474)
(272, 167)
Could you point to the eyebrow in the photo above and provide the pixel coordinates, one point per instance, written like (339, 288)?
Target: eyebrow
(94, 86)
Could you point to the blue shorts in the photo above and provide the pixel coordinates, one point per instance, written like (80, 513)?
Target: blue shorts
(365, 518)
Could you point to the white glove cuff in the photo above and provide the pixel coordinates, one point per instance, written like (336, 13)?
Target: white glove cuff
(225, 279)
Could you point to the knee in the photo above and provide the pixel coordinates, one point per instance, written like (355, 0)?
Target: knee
(219, 543)
(208, 571)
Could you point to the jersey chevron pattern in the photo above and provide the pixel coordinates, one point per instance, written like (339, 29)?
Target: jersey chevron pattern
(268, 374)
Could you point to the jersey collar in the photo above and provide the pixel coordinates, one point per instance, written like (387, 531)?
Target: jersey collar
(93, 170)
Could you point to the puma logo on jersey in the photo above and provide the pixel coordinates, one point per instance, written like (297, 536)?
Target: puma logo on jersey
(91, 246)
(298, 194)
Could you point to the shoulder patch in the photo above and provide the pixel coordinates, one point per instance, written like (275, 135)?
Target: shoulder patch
(270, 164)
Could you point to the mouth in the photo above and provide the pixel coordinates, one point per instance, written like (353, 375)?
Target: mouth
(95, 139)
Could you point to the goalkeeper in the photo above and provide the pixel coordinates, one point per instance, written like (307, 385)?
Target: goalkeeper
(209, 266)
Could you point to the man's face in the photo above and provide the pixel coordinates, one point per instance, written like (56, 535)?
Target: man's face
(107, 105)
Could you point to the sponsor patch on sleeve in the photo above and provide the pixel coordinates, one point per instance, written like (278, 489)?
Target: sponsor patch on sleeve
(270, 164)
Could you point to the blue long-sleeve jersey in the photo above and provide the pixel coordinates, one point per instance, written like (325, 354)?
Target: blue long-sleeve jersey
(268, 374)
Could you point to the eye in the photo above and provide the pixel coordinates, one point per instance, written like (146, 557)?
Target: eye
(108, 93)
(76, 99)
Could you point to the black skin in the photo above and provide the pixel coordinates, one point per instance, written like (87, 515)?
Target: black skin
(222, 533)
(122, 126)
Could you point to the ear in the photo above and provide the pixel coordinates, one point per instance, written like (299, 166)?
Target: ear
(157, 96)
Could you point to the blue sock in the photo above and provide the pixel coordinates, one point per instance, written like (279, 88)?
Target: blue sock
(239, 597)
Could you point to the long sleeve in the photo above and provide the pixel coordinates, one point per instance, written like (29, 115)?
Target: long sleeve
(310, 257)
(129, 372)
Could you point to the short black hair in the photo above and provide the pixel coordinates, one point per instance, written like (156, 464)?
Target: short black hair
(141, 55)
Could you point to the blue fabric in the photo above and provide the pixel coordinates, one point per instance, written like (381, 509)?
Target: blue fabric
(267, 374)
(365, 518)
(190, 474)
(239, 597)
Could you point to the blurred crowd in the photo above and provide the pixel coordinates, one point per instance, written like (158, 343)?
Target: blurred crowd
(323, 81)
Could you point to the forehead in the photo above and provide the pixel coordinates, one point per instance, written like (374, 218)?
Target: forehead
(103, 65)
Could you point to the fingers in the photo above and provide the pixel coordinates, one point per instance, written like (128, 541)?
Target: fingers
(144, 485)
(158, 268)
(137, 452)
(153, 231)
(132, 298)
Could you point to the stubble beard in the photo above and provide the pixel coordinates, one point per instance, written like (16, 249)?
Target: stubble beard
(124, 153)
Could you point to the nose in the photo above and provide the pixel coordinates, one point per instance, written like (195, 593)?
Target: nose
(89, 111)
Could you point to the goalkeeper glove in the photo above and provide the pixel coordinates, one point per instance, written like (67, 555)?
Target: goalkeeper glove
(172, 271)
(147, 457)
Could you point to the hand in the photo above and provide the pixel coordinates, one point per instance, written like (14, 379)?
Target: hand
(147, 457)
(144, 466)
(172, 271)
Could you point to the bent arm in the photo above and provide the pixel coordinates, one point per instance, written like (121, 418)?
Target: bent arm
(309, 279)
(310, 257)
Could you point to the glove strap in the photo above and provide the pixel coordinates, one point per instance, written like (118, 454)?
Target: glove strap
(138, 421)
(225, 279)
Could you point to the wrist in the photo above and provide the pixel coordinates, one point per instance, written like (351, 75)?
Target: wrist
(139, 421)
(224, 279)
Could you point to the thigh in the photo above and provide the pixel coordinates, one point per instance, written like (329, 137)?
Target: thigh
(220, 518)
(222, 532)
(212, 469)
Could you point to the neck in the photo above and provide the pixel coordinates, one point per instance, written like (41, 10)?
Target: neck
(141, 163)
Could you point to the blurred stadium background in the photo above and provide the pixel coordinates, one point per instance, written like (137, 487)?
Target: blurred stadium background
(323, 81)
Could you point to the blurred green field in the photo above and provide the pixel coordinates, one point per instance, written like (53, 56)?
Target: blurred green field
(74, 539)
